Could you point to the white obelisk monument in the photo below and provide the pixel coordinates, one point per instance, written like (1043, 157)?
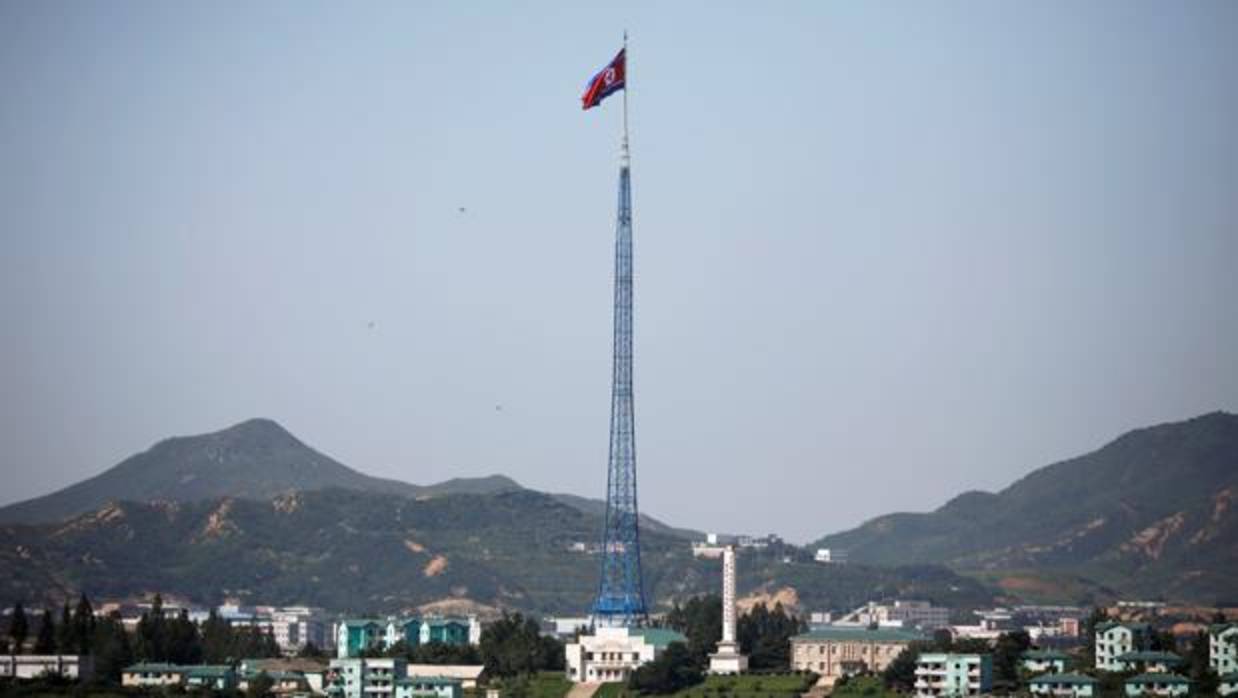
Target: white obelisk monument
(728, 660)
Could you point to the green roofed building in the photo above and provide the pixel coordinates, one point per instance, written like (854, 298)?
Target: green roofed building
(836, 651)
(215, 677)
(1116, 639)
(1149, 662)
(356, 635)
(147, 674)
(1228, 685)
(1157, 685)
(611, 654)
(1064, 685)
(1223, 648)
(1040, 661)
(428, 687)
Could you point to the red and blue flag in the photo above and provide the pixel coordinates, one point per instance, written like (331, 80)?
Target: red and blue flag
(607, 82)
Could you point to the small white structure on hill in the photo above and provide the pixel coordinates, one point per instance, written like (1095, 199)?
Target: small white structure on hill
(728, 660)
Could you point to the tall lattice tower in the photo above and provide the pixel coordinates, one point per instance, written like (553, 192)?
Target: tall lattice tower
(621, 594)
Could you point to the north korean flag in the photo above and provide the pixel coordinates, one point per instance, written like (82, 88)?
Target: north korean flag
(606, 82)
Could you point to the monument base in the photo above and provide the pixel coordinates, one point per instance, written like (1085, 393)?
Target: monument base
(728, 660)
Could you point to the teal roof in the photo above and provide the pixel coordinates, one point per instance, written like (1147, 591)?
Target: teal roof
(659, 637)
(843, 633)
(1045, 655)
(209, 671)
(1167, 657)
(1078, 679)
(1231, 677)
(1218, 628)
(439, 622)
(1157, 678)
(362, 622)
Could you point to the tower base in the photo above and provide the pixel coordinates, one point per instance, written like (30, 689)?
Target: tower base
(728, 660)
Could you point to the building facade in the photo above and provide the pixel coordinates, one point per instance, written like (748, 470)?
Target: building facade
(428, 687)
(1223, 648)
(213, 677)
(610, 654)
(834, 652)
(947, 674)
(152, 674)
(1228, 685)
(1116, 639)
(33, 666)
(1149, 662)
(1063, 686)
(1045, 661)
(356, 635)
(1157, 685)
(366, 678)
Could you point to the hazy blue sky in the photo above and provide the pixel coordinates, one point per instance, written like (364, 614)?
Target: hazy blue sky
(885, 252)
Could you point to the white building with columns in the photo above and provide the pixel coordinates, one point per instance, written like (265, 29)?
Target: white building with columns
(611, 654)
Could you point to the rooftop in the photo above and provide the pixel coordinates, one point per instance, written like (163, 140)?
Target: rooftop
(659, 637)
(1157, 678)
(152, 667)
(1045, 655)
(1167, 657)
(842, 634)
(1064, 678)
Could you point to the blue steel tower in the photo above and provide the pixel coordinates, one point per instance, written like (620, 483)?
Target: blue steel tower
(621, 594)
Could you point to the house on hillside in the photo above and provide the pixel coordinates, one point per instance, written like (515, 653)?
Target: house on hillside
(948, 674)
(148, 674)
(1157, 685)
(1042, 661)
(1223, 648)
(1114, 639)
(832, 652)
(211, 677)
(1064, 686)
(1149, 662)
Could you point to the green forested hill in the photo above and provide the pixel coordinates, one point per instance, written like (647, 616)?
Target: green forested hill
(1151, 513)
(356, 551)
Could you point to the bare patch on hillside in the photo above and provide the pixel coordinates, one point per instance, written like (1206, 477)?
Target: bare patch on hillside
(787, 596)
(1151, 540)
(218, 525)
(457, 607)
(413, 546)
(287, 503)
(436, 566)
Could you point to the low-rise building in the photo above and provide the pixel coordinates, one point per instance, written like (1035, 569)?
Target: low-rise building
(33, 666)
(313, 671)
(833, 652)
(1149, 662)
(1223, 648)
(948, 674)
(148, 674)
(1045, 661)
(356, 635)
(367, 677)
(1157, 685)
(1115, 639)
(1228, 685)
(1063, 685)
(611, 654)
(214, 677)
(428, 687)
(469, 675)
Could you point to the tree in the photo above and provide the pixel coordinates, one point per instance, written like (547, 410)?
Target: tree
(45, 642)
(260, 685)
(18, 628)
(184, 646)
(699, 620)
(111, 649)
(513, 645)
(83, 624)
(765, 636)
(1204, 681)
(216, 639)
(151, 635)
(1007, 652)
(65, 639)
(900, 674)
(311, 651)
(671, 672)
(1094, 619)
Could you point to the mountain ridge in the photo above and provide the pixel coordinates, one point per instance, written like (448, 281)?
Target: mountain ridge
(1149, 510)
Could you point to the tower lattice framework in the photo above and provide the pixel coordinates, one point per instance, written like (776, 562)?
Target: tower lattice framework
(621, 595)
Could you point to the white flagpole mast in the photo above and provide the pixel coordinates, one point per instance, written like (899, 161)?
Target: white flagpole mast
(624, 158)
